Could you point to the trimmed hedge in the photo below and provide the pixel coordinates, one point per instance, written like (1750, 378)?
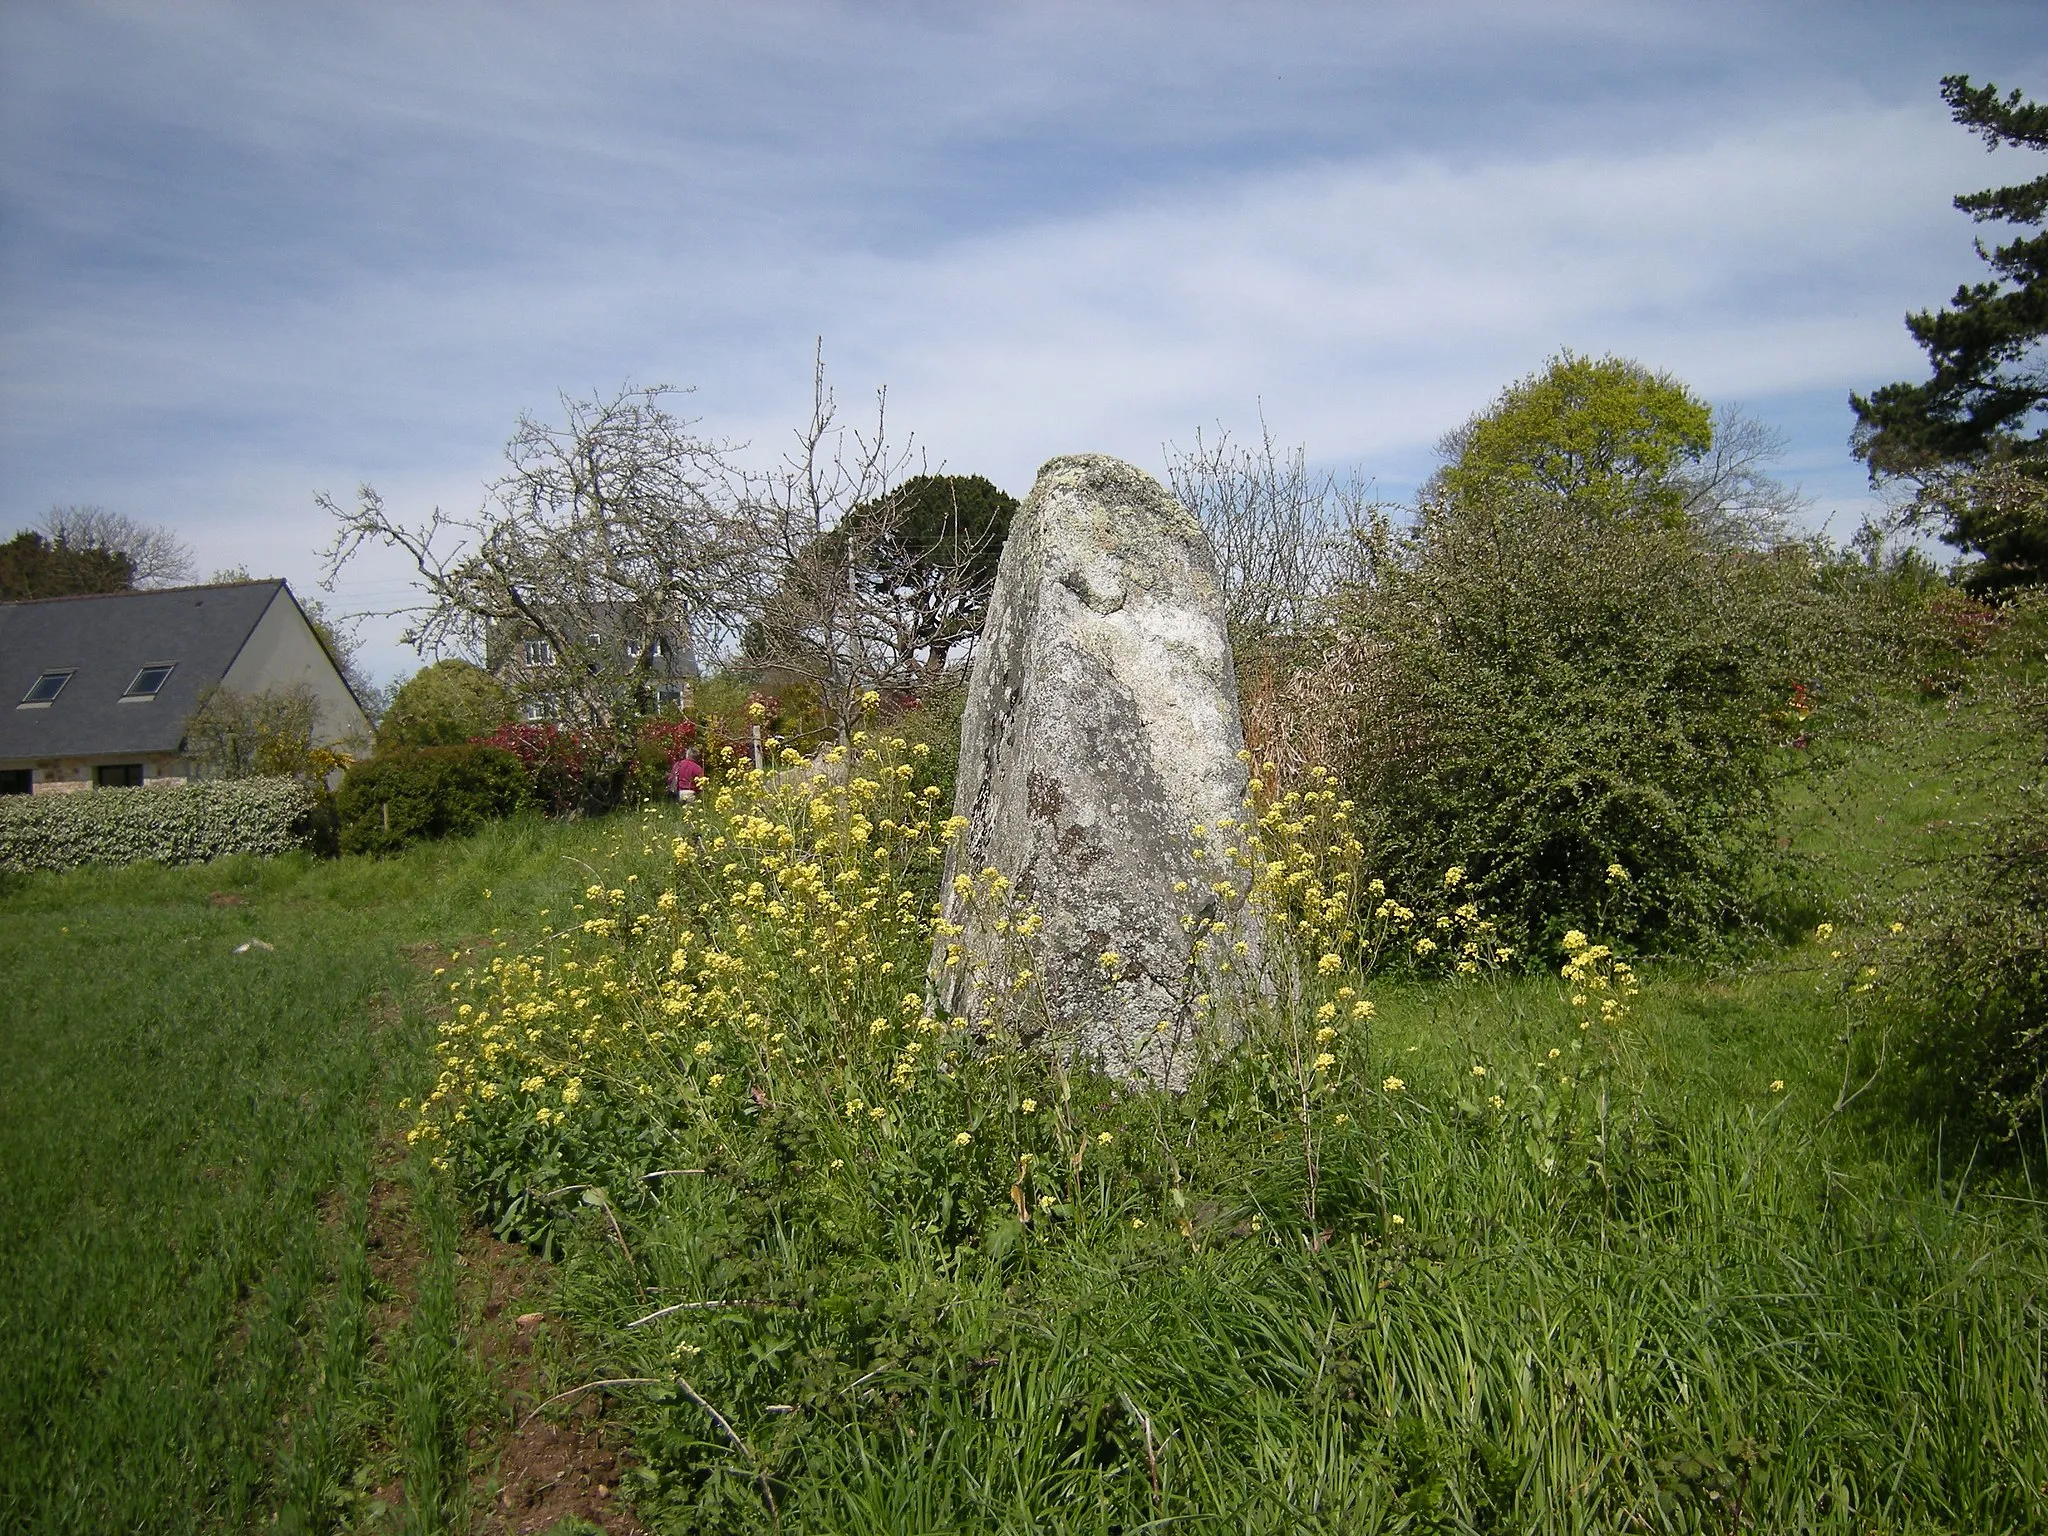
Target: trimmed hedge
(398, 798)
(174, 824)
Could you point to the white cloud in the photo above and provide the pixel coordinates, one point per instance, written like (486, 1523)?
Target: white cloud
(293, 250)
(1372, 305)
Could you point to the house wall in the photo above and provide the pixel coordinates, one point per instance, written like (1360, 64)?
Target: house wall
(282, 651)
(62, 775)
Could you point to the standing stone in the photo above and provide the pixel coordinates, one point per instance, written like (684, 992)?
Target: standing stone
(1102, 727)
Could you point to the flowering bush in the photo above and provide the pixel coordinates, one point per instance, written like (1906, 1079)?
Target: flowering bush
(171, 824)
(717, 1072)
(560, 765)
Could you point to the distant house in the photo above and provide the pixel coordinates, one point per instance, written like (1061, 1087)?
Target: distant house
(96, 690)
(526, 663)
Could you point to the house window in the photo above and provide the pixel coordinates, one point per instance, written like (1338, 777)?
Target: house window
(535, 710)
(118, 776)
(633, 650)
(539, 653)
(17, 781)
(149, 682)
(668, 698)
(46, 688)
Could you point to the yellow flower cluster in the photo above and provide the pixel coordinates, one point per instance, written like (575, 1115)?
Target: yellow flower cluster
(1601, 986)
(785, 936)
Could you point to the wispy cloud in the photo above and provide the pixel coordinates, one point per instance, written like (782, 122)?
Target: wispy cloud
(250, 252)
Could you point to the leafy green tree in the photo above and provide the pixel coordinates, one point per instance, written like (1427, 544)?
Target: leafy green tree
(32, 566)
(1986, 404)
(927, 558)
(1604, 435)
(1568, 674)
(886, 595)
(444, 705)
(236, 735)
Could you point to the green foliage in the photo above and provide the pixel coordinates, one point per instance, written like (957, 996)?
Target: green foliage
(31, 567)
(885, 597)
(236, 735)
(955, 523)
(169, 824)
(1556, 1277)
(403, 797)
(932, 725)
(1967, 991)
(1956, 992)
(1582, 709)
(1984, 404)
(444, 705)
(1607, 435)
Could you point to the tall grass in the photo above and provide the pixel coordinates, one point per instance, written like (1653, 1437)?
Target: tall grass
(1764, 1323)
(1496, 1266)
(188, 1136)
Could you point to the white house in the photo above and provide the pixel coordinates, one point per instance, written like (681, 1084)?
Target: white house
(97, 689)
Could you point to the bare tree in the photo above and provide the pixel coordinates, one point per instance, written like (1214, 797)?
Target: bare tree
(612, 533)
(156, 556)
(1282, 534)
(820, 615)
(1729, 494)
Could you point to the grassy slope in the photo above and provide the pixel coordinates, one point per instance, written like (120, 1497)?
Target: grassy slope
(188, 1135)
(1780, 1319)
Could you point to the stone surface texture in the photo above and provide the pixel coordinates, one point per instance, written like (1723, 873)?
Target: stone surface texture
(1102, 726)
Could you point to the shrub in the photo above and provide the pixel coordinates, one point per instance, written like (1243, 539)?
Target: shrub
(1957, 991)
(1584, 711)
(444, 705)
(172, 824)
(1965, 987)
(235, 735)
(564, 772)
(427, 792)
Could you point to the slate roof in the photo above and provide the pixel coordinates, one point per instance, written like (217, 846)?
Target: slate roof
(108, 638)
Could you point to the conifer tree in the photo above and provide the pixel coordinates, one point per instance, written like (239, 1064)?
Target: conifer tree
(1973, 438)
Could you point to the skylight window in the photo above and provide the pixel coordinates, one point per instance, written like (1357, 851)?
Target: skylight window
(46, 688)
(149, 682)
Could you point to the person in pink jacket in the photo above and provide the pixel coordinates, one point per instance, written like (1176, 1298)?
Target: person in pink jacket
(684, 775)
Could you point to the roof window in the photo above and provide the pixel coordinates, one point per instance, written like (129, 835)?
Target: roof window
(46, 688)
(149, 682)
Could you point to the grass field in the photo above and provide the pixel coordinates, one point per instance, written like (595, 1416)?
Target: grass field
(190, 1136)
(1765, 1317)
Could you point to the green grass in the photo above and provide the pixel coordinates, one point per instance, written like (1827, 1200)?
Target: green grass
(1768, 1320)
(189, 1136)
(1760, 1315)
(1686, 1296)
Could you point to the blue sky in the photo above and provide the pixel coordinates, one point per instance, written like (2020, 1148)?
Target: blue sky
(251, 252)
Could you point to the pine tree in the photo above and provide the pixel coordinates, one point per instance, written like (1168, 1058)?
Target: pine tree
(1985, 410)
